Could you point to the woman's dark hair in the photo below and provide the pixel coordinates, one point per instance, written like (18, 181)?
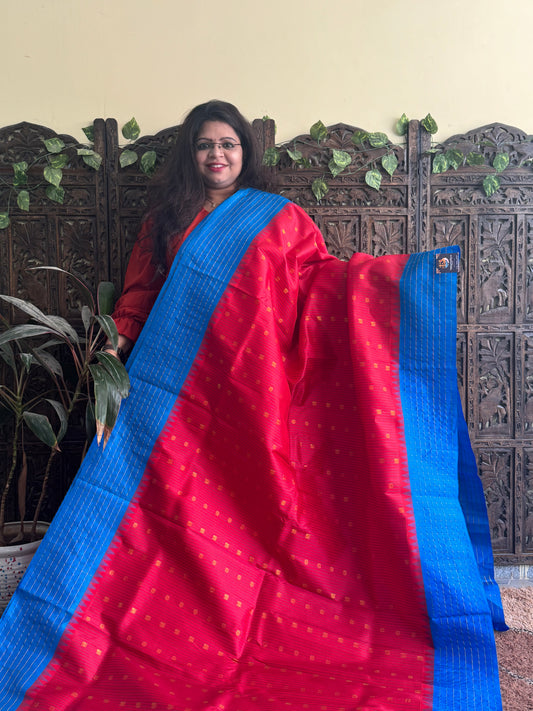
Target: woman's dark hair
(177, 191)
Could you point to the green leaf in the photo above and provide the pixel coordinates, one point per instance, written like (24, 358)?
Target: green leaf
(90, 157)
(127, 157)
(90, 422)
(318, 132)
(48, 361)
(454, 158)
(320, 188)
(56, 194)
(58, 160)
(131, 130)
(359, 137)
(27, 330)
(86, 317)
(341, 158)
(23, 200)
(389, 163)
(4, 220)
(89, 132)
(491, 184)
(80, 282)
(148, 160)
(378, 140)
(295, 155)
(429, 124)
(27, 361)
(108, 326)
(62, 416)
(271, 156)
(54, 324)
(53, 175)
(6, 353)
(117, 372)
(440, 163)
(54, 145)
(41, 428)
(105, 297)
(501, 161)
(334, 168)
(373, 178)
(473, 158)
(20, 177)
(402, 125)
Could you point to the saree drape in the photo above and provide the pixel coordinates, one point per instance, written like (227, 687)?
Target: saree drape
(288, 513)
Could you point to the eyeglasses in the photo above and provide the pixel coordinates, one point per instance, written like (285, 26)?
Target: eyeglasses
(227, 146)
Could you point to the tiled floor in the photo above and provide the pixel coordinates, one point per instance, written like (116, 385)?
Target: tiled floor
(515, 648)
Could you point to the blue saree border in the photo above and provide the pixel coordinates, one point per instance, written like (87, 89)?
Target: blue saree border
(83, 529)
(446, 493)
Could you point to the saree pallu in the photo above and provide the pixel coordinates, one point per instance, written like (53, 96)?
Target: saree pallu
(288, 513)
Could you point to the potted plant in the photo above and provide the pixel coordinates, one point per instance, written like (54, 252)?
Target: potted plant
(100, 379)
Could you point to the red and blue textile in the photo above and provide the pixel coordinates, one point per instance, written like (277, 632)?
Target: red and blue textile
(288, 513)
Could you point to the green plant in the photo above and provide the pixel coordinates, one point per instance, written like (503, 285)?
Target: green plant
(380, 153)
(100, 379)
(46, 169)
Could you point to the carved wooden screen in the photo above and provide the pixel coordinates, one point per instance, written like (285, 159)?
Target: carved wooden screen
(495, 313)
(72, 235)
(94, 231)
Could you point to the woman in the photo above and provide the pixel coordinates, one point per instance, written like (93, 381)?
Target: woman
(216, 153)
(287, 514)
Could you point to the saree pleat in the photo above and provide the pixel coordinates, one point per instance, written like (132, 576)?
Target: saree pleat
(284, 516)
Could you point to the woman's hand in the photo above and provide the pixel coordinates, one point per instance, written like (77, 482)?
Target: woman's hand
(123, 348)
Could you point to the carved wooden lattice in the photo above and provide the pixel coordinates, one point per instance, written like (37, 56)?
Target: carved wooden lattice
(415, 210)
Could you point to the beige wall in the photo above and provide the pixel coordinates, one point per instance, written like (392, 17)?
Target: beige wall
(467, 62)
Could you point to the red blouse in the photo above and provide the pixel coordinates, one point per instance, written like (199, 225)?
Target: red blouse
(143, 282)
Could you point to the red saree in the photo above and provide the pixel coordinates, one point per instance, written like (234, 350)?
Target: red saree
(287, 514)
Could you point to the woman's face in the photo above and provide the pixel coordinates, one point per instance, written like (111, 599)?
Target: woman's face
(218, 156)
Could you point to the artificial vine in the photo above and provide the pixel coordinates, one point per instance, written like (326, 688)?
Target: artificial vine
(385, 162)
(54, 157)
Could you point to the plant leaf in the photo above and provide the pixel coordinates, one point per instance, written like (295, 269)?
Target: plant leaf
(53, 145)
(58, 160)
(318, 132)
(56, 194)
(56, 324)
(27, 330)
(341, 158)
(90, 422)
(373, 178)
(271, 156)
(105, 297)
(4, 220)
(320, 188)
(131, 130)
(295, 155)
(6, 353)
(117, 371)
(491, 184)
(89, 132)
(86, 316)
(20, 176)
(27, 360)
(440, 163)
(473, 158)
(429, 124)
(53, 175)
(358, 137)
(501, 161)
(108, 326)
(81, 283)
(90, 158)
(334, 168)
(148, 161)
(402, 124)
(127, 157)
(389, 163)
(23, 200)
(63, 418)
(100, 384)
(48, 361)
(378, 140)
(41, 428)
(455, 158)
